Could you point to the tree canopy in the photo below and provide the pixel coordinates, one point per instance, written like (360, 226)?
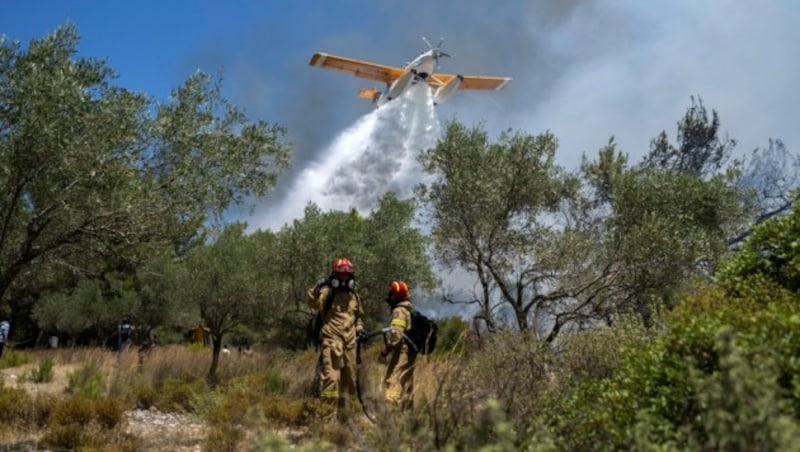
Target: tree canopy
(92, 173)
(385, 245)
(487, 207)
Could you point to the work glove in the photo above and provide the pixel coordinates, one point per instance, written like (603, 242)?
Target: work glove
(383, 357)
(362, 336)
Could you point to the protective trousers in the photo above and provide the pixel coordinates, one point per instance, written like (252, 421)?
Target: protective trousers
(399, 381)
(337, 372)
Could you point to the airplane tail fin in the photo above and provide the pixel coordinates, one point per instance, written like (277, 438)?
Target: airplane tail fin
(369, 94)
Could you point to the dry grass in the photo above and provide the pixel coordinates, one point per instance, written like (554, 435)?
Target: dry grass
(256, 397)
(172, 377)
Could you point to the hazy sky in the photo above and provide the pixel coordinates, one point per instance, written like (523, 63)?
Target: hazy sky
(583, 69)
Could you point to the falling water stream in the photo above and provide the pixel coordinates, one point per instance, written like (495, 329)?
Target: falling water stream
(375, 155)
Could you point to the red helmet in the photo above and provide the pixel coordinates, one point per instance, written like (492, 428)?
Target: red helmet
(342, 266)
(398, 290)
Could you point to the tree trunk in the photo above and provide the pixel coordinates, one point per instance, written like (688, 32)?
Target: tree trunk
(216, 341)
(521, 316)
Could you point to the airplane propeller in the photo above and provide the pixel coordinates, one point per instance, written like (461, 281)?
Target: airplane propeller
(437, 52)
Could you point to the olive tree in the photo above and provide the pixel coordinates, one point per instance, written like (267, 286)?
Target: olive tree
(492, 209)
(666, 221)
(95, 176)
(223, 283)
(88, 306)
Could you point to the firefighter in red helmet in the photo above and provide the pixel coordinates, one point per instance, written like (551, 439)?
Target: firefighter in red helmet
(335, 298)
(399, 380)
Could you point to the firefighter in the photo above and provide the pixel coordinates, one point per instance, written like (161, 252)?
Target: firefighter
(336, 298)
(399, 380)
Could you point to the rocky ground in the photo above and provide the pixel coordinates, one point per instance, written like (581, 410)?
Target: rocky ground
(154, 429)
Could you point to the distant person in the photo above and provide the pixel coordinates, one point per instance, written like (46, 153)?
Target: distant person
(124, 331)
(5, 326)
(200, 334)
(226, 350)
(399, 380)
(148, 339)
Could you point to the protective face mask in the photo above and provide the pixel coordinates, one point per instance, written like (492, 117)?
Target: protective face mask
(349, 283)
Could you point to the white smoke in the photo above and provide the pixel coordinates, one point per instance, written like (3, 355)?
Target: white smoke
(376, 155)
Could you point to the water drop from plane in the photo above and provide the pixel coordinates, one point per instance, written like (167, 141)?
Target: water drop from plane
(375, 155)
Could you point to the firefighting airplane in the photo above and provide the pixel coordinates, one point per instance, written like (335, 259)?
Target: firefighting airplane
(397, 79)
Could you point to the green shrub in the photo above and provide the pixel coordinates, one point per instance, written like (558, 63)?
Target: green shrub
(14, 358)
(77, 410)
(226, 417)
(337, 434)
(43, 373)
(451, 335)
(275, 383)
(88, 423)
(144, 395)
(491, 431)
(282, 410)
(741, 405)
(87, 381)
(678, 390)
(270, 381)
(242, 408)
(43, 407)
(177, 394)
(83, 411)
(65, 437)
(596, 353)
(315, 409)
(771, 253)
(19, 410)
(73, 437)
(14, 404)
(109, 413)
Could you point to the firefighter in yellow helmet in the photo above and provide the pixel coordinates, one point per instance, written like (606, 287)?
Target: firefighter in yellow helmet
(399, 380)
(335, 297)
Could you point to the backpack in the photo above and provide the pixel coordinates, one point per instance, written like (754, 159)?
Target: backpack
(314, 327)
(422, 335)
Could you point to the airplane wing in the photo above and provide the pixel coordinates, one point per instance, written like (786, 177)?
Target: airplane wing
(363, 69)
(481, 82)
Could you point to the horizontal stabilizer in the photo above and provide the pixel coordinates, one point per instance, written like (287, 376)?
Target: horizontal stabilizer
(368, 93)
